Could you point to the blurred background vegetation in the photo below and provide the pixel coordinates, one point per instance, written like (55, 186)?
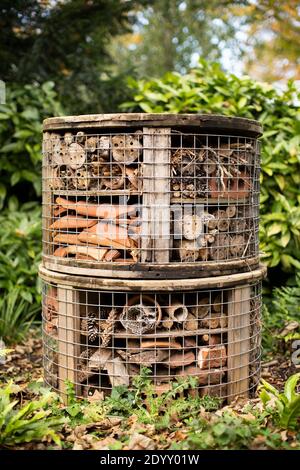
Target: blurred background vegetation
(91, 56)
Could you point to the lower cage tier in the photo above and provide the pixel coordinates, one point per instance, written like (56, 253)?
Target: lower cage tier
(98, 339)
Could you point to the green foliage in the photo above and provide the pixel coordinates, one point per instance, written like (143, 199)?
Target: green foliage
(207, 89)
(162, 411)
(65, 42)
(20, 138)
(33, 421)
(281, 310)
(285, 406)
(20, 255)
(178, 421)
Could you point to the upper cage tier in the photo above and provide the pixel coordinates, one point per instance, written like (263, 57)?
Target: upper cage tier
(150, 195)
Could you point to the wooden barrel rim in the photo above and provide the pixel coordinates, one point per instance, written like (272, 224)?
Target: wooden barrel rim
(205, 122)
(149, 285)
(148, 270)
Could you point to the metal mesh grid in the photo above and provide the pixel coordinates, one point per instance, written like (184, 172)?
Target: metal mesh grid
(156, 196)
(99, 339)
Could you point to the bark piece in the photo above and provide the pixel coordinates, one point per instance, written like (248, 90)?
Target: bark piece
(141, 314)
(212, 357)
(69, 222)
(125, 148)
(98, 360)
(108, 329)
(117, 372)
(145, 358)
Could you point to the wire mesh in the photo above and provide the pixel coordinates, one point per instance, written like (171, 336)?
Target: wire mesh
(99, 339)
(153, 196)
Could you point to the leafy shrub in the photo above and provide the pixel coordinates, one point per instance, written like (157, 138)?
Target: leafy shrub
(33, 421)
(20, 255)
(280, 311)
(285, 406)
(207, 89)
(20, 138)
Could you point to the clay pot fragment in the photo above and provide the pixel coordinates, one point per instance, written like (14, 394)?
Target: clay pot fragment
(72, 222)
(97, 254)
(103, 211)
(106, 234)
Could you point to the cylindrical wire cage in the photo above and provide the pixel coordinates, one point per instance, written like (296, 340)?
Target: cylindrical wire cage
(150, 195)
(99, 334)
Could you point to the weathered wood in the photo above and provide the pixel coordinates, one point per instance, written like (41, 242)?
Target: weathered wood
(209, 122)
(131, 270)
(151, 285)
(238, 341)
(68, 336)
(156, 215)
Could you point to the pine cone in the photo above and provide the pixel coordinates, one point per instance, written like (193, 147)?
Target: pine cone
(90, 325)
(108, 328)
